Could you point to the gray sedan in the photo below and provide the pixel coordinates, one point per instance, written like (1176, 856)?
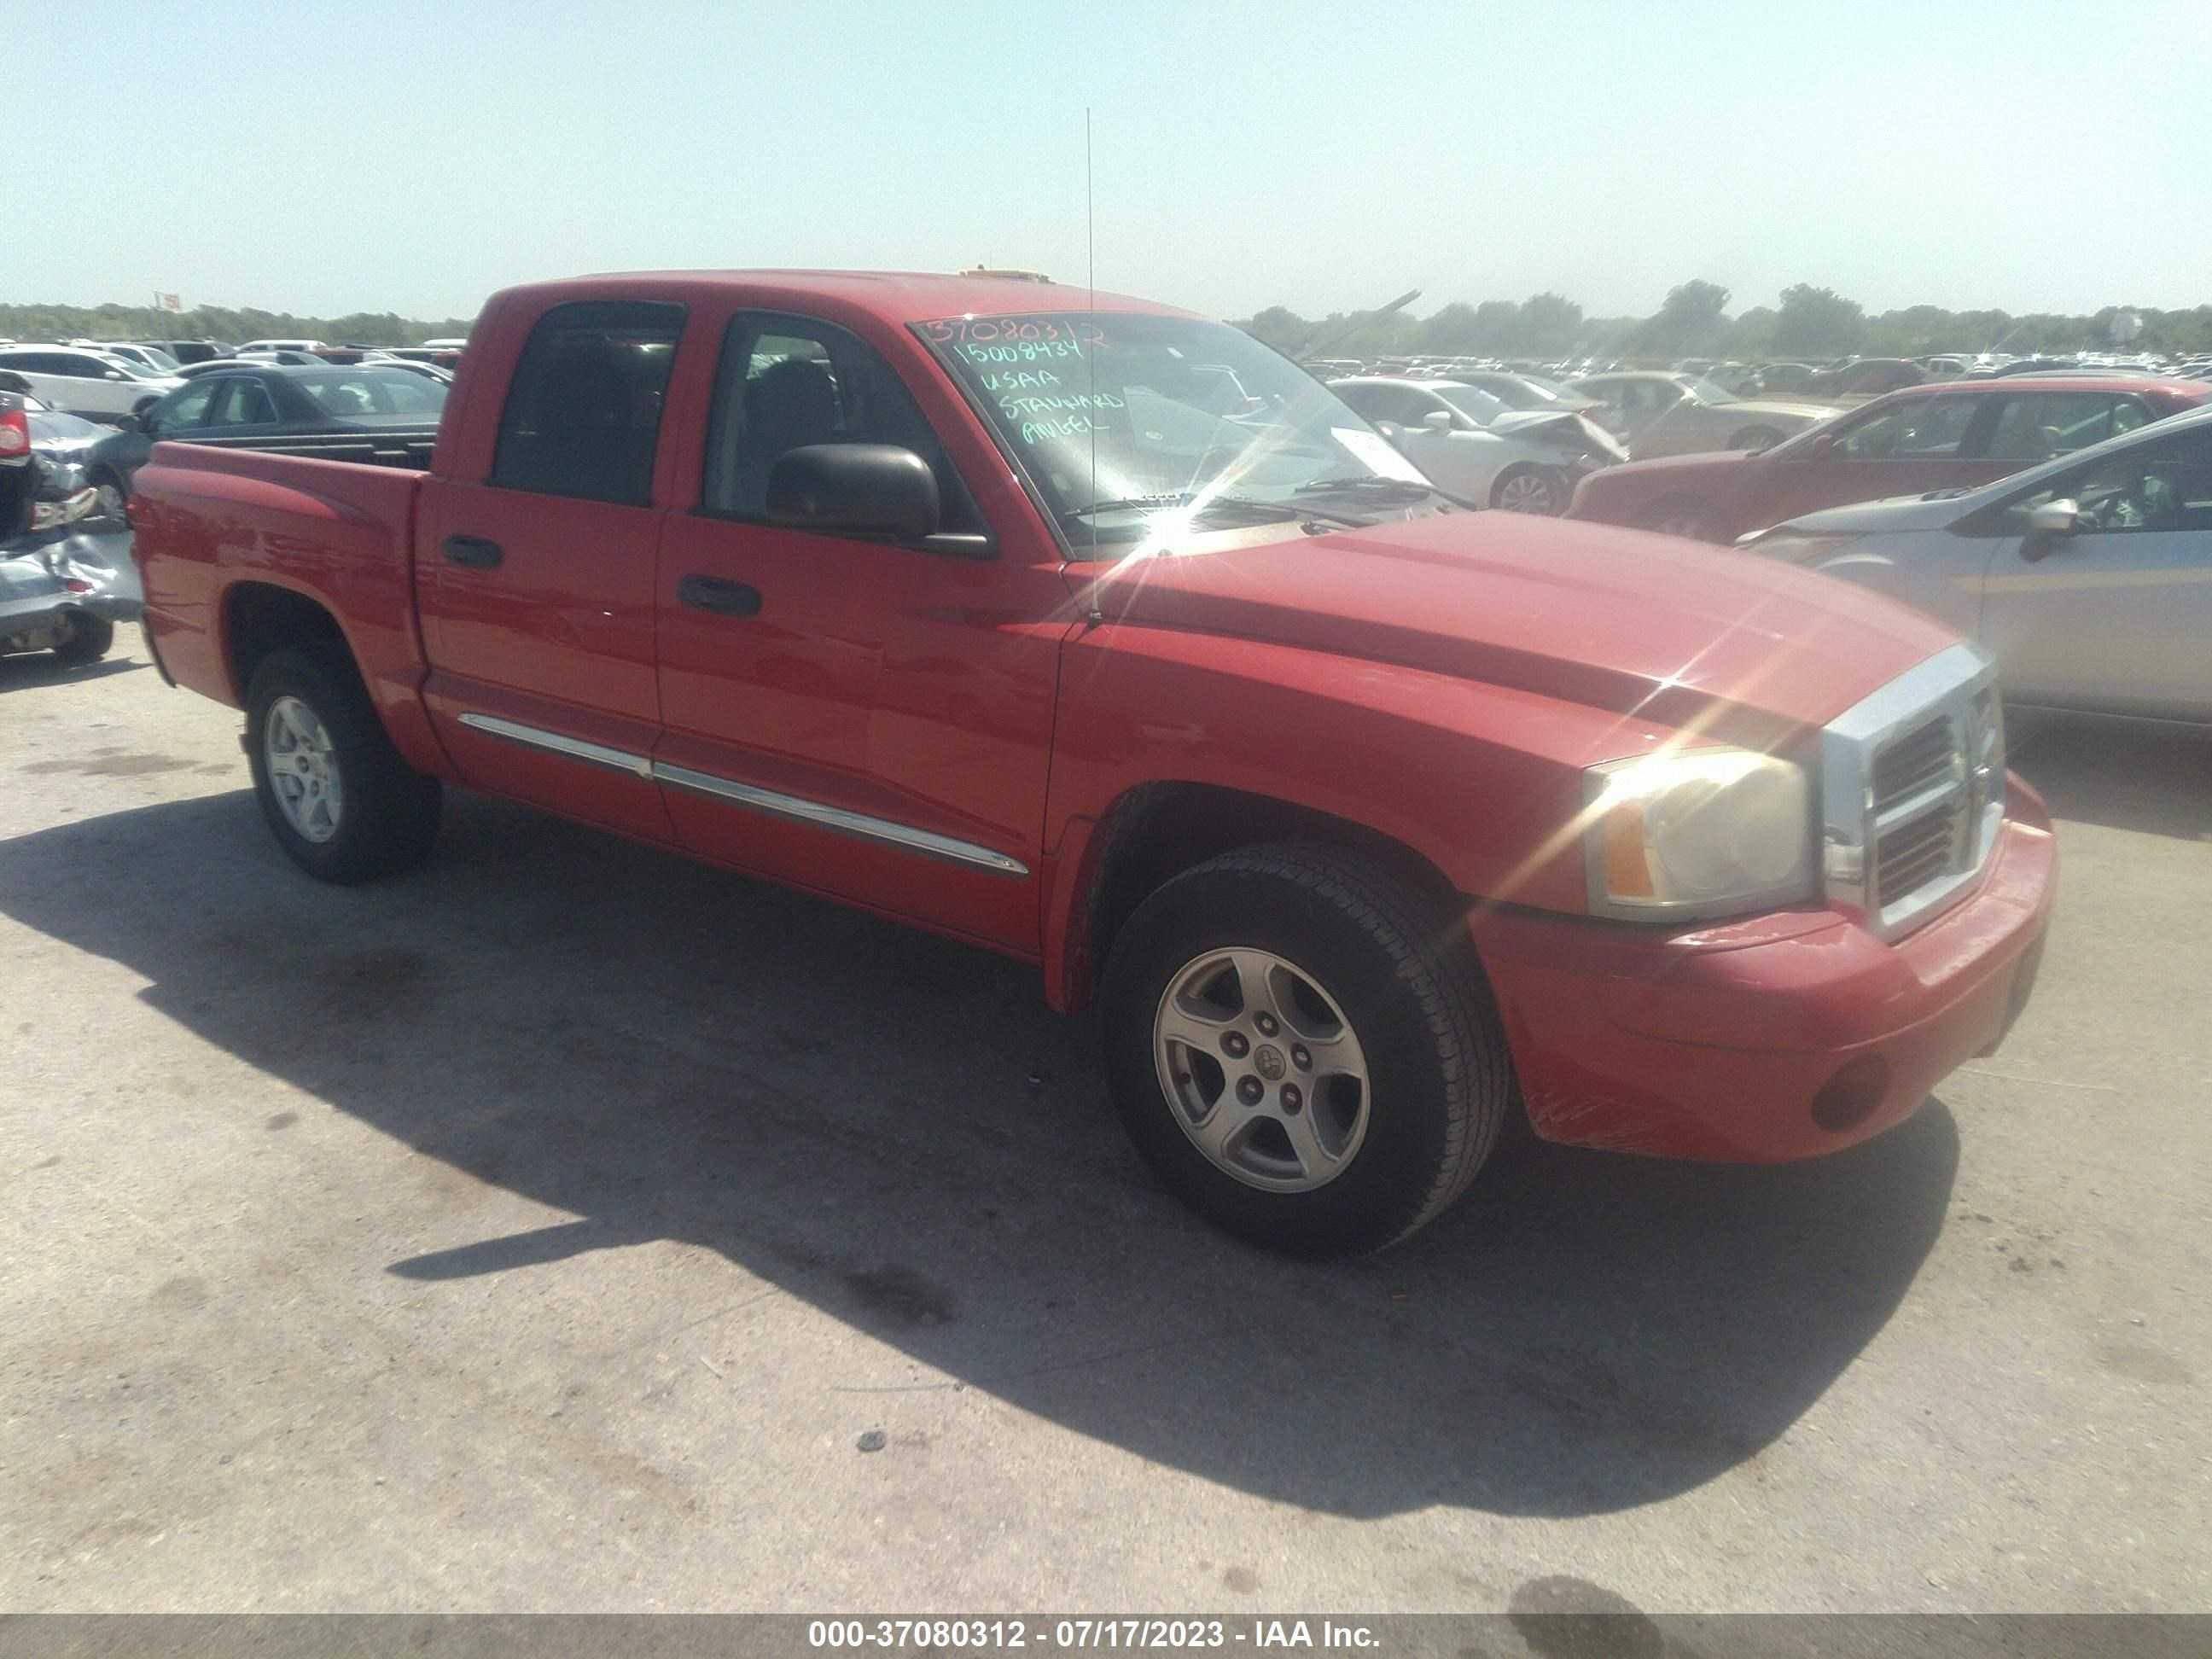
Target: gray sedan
(2089, 578)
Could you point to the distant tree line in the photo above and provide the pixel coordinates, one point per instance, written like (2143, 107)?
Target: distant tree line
(1694, 321)
(113, 322)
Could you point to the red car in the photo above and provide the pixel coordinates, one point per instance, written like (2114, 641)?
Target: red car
(1369, 821)
(1950, 435)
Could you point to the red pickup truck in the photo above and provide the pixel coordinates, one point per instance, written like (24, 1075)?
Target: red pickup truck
(1099, 635)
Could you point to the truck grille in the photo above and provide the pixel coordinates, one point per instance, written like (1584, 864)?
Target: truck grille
(1913, 790)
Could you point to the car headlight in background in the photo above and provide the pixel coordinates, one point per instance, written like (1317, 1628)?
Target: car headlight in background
(1792, 548)
(1702, 832)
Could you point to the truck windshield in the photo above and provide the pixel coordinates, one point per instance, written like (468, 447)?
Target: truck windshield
(1116, 416)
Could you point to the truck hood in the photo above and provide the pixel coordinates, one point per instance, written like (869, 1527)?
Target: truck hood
(1667, 631)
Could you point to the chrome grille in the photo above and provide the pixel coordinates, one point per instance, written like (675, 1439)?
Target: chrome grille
(1916, 761)
(1912, 790)
(1923, 848)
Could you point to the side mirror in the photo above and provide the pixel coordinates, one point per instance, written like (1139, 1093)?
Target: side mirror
(2048, 525)
(860, 489)
(1819, 448)
(131, 423)
(1436, 421)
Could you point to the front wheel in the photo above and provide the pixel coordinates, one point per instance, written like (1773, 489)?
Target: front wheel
(1530, 490)
(1298, 1053)
(341, 802)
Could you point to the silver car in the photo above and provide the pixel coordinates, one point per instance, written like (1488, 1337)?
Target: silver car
(1669, 414)
(2089, 577)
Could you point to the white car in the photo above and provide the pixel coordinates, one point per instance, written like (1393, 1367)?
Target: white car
(262, 347)
(2089, 578)
(81, 380)
(152, 359)
(1471, 445)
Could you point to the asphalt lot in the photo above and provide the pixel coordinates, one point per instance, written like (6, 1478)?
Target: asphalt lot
(544, 1230)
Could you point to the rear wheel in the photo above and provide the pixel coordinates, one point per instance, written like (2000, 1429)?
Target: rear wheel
(90, 638)
(1296, 1053)
(1530, 490)
(337, 795)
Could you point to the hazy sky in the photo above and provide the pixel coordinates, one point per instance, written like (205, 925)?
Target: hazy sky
(380, 155)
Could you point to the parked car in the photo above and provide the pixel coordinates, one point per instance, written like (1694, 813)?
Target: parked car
(281, 358)
(258, 348)
(79, 380)
(1370, 820)
(2088, 578)
(1469, 443)
(1520, 391)
(408, 365)
(146, 354)
(1657, 413)
(372, 414)
(1946, 435)
(18, 483)
(187, 352)
(65, 442)
(1866, 377)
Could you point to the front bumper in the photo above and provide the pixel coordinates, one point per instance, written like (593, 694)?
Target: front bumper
(1773, 1038)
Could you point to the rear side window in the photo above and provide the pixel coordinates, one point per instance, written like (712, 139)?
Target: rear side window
(2035, 426)
(583, 413)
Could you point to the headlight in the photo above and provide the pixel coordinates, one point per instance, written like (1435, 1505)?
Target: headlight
(1793, 549)
(1705, 832)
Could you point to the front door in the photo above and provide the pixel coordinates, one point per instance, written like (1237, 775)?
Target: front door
(864, 717)
(535, 584)
(2117, 617)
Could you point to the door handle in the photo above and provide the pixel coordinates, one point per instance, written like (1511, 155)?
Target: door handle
(724, 598)
(471, 552)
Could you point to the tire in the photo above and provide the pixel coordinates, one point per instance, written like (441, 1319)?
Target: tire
(1438, 1084)
(1526, 489)
(1755, 437)
(379, 816)
(90, 639)
(1681, 515)
(114, 499)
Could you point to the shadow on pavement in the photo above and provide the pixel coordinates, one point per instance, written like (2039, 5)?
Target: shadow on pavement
(893, 1127)
(40, 669)
(2120, 775)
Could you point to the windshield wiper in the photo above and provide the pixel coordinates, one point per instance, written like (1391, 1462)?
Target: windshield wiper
(1369, 483)
(1265, 511)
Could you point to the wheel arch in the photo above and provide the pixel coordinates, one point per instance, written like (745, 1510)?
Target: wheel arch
(1154, 831)
(260, 618)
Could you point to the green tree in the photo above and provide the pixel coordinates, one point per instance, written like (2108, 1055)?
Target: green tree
(1280, 327)
(1692, 318)
(1549, 324)
(1818, 322)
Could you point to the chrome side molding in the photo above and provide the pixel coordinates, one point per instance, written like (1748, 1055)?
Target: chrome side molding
(927, 843)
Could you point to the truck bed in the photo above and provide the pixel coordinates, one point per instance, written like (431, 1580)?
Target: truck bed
(336, 533)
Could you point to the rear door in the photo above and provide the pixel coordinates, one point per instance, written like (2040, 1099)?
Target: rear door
(866, 717)
(1903, 448)
(2116, 617)
(535, 581)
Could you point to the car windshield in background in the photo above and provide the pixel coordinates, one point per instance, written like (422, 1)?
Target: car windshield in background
(372, 391)
(1478, 406)
(1115, 414)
